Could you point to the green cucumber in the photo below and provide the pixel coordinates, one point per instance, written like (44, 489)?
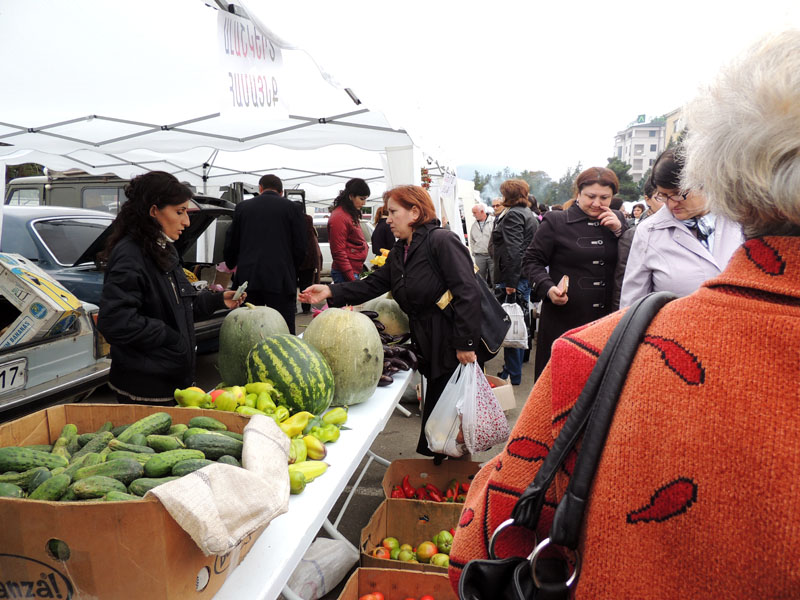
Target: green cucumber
(22, 479)
(13, 458)
(41, 475)
(52, 489)
(161, 464)
(227, 459)
(207, 423)
(124, 470)
(115, 496)
(96, 444)
(119, 429)
(117, 445)
(162, 443)
(214, 445)
(190, 466)
(193, 431)
(107, 426)
(96, 486)
(140, 458)
(9, 490)
(85, 438)
(40, 447)
(159, 422)
(233, 434)
(177, 430)
(141, 486)
(138, 439)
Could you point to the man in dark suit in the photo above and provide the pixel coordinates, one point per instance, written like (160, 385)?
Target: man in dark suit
(267, 242)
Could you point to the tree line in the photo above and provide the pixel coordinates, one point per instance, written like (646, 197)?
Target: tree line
(549, 191)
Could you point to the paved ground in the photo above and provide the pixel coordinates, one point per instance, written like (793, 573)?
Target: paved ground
(398, 440)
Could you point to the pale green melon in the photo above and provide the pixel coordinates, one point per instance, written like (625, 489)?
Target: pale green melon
(243, 328)
(390, 314)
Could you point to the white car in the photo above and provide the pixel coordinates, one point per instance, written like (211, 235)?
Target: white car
(321, 225)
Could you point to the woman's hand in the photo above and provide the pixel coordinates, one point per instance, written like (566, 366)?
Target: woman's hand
(314, 294)
(609, 219)
(557, 295)
(466, 356)
(230, 302)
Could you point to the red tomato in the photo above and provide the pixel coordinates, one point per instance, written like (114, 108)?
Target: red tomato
(367, 597)
(378, 596)
(427, 597)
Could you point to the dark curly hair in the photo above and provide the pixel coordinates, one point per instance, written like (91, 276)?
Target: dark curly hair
(354, 187)
(155, 188)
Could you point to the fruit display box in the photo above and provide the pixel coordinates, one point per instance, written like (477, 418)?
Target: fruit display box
(422, 470)
(410, 521)
(397, 583)
(114, 550)
(503, 392)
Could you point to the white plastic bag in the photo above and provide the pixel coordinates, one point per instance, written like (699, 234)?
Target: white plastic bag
(517, 335)
(444, 423)
(482, 419)
(324, 565)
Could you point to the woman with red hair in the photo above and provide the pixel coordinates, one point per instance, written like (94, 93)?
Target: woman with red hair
(445, 336)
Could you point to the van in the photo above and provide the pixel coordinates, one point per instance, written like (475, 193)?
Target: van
(74, 189)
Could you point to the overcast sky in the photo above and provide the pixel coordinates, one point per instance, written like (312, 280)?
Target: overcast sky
(525, 84)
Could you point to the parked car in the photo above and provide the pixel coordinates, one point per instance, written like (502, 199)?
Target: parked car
(321, 225)
(64, 242)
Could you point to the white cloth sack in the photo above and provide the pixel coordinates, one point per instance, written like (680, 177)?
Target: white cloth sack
(444, 422)
(517, 334)
(482, 419)
(323, 566)
(219, 505)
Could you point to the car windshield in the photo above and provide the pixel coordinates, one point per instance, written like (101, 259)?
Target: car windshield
(68, 238)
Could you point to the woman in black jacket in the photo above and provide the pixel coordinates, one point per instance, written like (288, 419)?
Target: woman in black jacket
(581, 243)
(444, 338)
(513, 231)
(382, 236)
(147, 307)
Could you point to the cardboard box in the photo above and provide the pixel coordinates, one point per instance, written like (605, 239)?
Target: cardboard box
(397, 583)
(33, 305)
(504, 392)
(411, 522)
(422, 471)
(120, 550)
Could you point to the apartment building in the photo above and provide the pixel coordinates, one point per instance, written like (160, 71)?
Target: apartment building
(640, 144)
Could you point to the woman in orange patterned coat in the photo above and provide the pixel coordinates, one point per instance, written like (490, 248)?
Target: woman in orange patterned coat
(696, 491)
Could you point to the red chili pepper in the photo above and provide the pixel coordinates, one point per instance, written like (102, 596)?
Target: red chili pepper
(407, 489)
(449, 495)
(465, 487)
(397, 492)
(435, 497)
(432, 489)
(452, 531)
(421, 495)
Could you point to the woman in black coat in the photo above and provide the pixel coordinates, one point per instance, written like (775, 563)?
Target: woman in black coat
(581, 243)
(513, 232)
(444, 338)
(147, 307)
(382, 236)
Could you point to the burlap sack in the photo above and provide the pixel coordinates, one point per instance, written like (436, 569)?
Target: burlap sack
(220, 504)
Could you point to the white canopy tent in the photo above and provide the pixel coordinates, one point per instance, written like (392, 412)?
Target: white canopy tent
(127, 87)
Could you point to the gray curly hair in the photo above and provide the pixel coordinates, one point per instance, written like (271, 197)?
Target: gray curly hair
(743, 144)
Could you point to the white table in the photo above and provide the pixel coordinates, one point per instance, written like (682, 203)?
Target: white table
(271, 561)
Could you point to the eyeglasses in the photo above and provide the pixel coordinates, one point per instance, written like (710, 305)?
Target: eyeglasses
(674, 197)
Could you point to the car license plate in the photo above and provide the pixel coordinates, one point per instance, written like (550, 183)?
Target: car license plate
(12, 375)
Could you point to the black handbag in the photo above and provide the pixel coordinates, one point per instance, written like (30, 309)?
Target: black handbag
(495, 322)
(518, 578)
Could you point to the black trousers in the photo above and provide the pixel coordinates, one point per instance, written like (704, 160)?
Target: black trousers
(286, 305)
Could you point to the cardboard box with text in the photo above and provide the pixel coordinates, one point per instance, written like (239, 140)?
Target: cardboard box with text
(120, 550)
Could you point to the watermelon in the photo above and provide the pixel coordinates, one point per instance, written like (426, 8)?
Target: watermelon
(352, 346)
(242, 329)
(390, 314)
(297, 370)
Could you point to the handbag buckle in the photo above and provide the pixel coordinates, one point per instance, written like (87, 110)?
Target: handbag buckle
(503, 525)
(535, 556)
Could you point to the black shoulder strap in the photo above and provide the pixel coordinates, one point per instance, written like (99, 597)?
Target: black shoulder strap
(595, 405)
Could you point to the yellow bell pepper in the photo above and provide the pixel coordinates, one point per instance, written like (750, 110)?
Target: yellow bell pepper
(294, 425)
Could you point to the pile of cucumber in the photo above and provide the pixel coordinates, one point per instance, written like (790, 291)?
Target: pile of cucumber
(116, 463)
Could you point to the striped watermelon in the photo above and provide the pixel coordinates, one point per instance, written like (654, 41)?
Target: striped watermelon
(298, 371)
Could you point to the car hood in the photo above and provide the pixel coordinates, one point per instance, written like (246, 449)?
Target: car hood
(201, 216)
